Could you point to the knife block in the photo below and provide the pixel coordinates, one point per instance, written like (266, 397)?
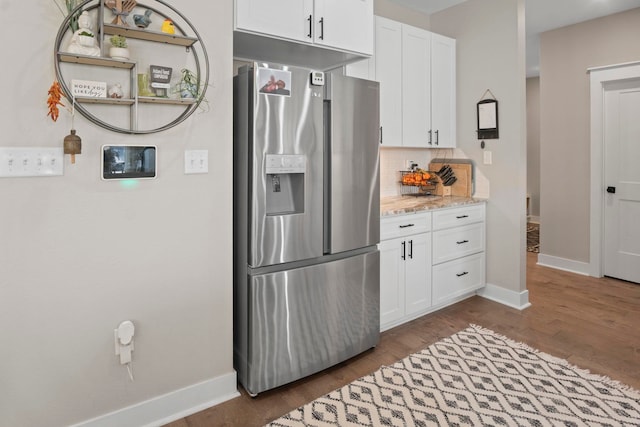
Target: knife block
(463, 172)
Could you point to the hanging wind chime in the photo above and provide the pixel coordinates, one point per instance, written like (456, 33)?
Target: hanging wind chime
(72, 142)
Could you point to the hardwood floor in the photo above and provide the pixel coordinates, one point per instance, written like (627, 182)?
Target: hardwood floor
(593, 323)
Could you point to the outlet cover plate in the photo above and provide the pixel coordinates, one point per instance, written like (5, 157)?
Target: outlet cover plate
(196, 161)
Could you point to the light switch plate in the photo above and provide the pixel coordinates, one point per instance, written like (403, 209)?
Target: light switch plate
(196, 161)
(31, 161)
(487, 158)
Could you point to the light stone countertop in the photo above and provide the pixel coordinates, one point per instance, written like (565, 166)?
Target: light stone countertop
(398, 205)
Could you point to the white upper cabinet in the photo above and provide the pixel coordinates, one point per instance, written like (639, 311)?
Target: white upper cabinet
(416, 86)
(290, 19)
(417, 74)
(388, 71)
(443, 90)
(344, 24)
(283, 31)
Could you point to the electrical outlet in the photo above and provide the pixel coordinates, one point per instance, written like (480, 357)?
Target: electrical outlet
(31, 161)
(196, 161)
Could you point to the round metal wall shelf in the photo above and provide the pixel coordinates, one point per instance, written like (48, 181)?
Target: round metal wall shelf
(185, 35)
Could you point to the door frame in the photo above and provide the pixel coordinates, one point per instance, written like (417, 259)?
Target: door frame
(600, 77)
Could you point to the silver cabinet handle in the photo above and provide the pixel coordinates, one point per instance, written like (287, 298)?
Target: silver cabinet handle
(462, 242)
(462, 274)
(404, 251)
(407, 225)
(410, 249)
(462, 216)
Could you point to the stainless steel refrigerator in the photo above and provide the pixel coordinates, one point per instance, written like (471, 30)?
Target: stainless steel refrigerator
(306, 222)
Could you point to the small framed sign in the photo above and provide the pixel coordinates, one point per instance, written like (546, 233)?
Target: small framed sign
(88, 88)
(160, 79)
(488, 119)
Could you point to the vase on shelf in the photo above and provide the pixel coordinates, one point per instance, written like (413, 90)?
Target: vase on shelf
(143, 85)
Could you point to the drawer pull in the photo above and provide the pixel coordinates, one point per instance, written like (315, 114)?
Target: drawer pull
(462, 242)
(462, 216)
(407, 225)
(462, 274)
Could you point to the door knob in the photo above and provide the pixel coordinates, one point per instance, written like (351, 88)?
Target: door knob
(611, 190)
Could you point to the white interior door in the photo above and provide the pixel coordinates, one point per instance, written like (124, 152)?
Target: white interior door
(622, 180)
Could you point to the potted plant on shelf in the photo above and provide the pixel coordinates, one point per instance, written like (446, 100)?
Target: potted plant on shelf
(189, 87)
(188, 84)
(118, 49)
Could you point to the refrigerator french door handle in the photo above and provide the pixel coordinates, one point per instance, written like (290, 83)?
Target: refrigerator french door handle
(310, 19)
(404, 251)
(410, 249)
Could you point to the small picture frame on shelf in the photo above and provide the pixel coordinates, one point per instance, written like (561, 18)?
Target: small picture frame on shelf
(160, 79)
(88, 88)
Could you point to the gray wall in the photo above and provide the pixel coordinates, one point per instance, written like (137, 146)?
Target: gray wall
(491, 55)
(78, 255)
(533, 146)
(565, 56)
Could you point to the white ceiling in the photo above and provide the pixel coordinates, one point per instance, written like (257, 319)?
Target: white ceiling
(541, 16)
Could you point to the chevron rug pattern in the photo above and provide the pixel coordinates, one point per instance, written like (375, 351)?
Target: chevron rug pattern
(474, 378)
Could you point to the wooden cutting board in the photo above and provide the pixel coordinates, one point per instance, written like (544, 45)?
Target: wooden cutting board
(462, 169)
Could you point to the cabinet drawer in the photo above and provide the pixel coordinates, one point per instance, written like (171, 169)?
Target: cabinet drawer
(445, 218)
(458, 277)
(404, 225)
(457, 242)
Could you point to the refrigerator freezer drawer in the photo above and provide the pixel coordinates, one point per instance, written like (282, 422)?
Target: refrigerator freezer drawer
(304, 320)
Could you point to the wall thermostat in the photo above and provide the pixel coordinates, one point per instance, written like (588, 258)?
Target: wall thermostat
(317, 78)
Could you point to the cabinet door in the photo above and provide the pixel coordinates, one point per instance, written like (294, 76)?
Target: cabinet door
(289, 19)
(418, 273)
(416, 86)
(392, 280)
(388, 66)
(443, 90)
(344, 24)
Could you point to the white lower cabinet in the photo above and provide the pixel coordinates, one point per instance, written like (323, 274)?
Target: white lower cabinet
(429, 260)
(458, 252)
(405, 268)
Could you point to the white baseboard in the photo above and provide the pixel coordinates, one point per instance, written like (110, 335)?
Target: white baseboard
(564, 264)
(171, 406)
(517, 300)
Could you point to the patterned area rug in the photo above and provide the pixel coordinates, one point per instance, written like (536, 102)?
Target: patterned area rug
(474, 378)
(533, 237)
